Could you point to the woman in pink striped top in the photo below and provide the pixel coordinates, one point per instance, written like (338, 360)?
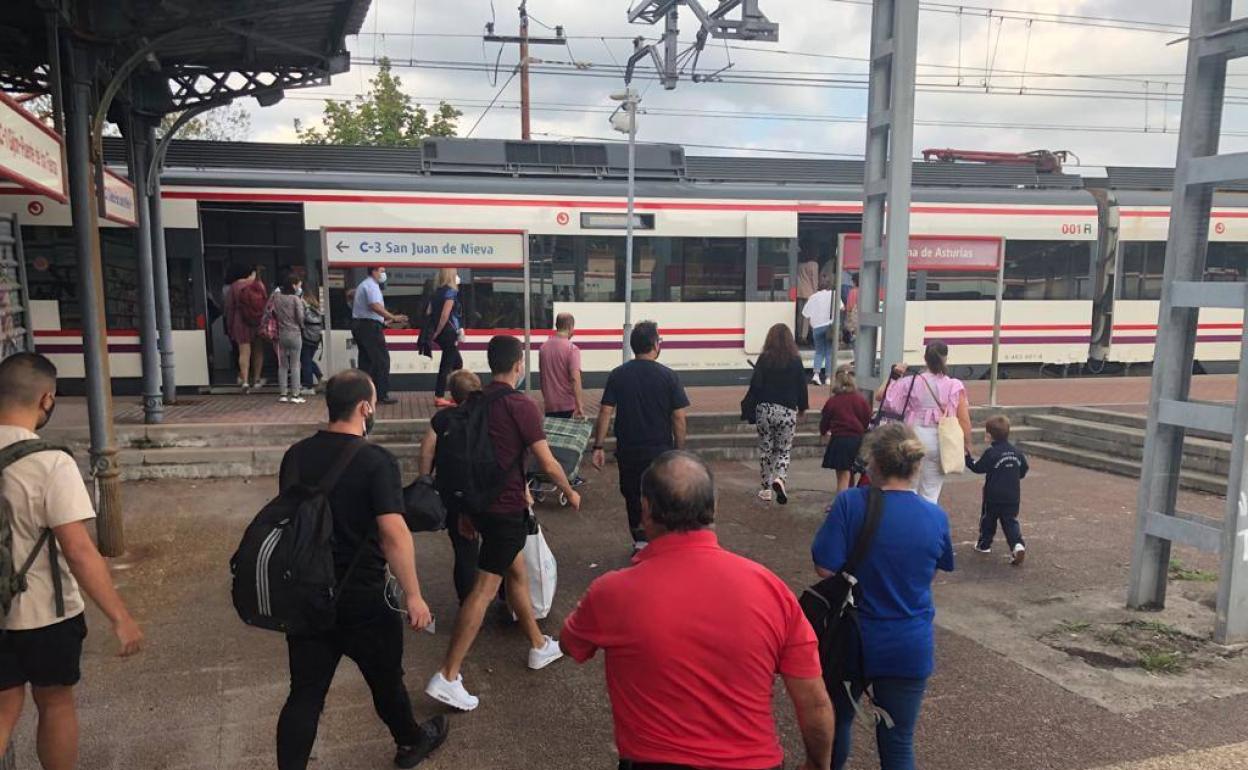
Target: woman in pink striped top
(921, 400)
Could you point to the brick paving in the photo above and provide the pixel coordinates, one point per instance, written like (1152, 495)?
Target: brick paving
(1125, 392)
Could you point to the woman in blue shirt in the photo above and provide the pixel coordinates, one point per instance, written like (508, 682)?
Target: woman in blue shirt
(895, 580)
(447, 328)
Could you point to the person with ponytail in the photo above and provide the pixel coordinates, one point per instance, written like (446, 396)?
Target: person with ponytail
(921, 400)
(895, 611)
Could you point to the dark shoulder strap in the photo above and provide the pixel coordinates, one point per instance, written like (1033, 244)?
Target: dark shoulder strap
(870, 525)
(330, 479)
(19, 449)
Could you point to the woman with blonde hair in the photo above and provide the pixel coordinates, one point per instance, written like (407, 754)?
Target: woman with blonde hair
(894, 593)
(842, 423)
(448, 328)
(778, 391)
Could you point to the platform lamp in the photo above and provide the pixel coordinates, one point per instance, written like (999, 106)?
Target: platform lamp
(624, 120)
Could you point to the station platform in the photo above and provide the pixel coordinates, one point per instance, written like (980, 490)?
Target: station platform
(1123, 393)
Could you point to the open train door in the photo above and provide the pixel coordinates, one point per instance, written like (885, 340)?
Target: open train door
(16, 333)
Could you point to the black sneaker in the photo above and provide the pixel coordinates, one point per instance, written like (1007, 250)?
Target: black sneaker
(387, 400)
(433, 735)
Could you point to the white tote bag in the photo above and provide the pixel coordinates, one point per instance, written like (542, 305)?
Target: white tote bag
(949, 430)
(543, 573)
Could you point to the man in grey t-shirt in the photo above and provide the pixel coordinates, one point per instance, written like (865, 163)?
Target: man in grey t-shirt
(369, 318)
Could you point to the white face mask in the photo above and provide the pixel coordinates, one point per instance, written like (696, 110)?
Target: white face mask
(381, 277)
(298, 291)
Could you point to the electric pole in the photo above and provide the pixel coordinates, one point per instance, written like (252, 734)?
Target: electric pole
(524, 41)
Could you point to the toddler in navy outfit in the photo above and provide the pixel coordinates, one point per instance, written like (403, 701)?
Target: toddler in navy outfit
(1005, 467)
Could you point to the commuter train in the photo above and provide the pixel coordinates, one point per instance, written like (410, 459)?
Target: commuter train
(720, 245)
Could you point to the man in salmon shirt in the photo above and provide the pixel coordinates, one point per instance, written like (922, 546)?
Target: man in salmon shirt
(685, 694)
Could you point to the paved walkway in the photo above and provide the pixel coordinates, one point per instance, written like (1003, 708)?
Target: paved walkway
(1131, 392)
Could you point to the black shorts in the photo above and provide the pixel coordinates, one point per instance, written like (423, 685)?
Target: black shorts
(502, 539)
(43, 657)
(841, 452)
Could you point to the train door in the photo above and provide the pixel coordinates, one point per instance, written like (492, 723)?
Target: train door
(818, 238)
(238, 237)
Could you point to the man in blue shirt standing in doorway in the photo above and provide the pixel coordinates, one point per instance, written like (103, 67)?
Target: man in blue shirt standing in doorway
(368, 327)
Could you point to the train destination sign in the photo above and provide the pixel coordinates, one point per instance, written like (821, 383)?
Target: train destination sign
(346, 247)
(116, 198)
(937, 252)
(30, 152)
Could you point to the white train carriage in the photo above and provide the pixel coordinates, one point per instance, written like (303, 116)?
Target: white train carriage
(720, 243)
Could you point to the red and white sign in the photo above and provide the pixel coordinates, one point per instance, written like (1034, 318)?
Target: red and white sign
(937, 252)
(30, 152)
(117, 201)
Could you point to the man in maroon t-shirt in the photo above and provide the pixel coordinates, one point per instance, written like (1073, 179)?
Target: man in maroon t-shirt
(695, 636)
(515, 425)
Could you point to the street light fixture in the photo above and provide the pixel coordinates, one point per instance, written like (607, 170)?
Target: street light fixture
(624, 120)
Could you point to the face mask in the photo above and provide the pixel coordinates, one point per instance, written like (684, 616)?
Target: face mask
(369, 421)
(298, 291)
(381, 277)
(47, 415)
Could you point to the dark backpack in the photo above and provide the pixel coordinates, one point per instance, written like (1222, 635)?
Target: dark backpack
(831, 606)
(284, 567)
(12, 577)
(469, 475)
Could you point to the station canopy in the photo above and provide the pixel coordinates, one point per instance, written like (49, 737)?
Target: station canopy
(194, 52)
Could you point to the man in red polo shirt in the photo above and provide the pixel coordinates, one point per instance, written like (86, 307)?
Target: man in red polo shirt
(694, 637)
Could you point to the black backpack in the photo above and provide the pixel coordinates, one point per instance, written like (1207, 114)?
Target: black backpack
(831, 606)
(469, 475)
(284, 567)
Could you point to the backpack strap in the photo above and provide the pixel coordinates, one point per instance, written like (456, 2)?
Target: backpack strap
(331, 477)
(9, 455)
(871, 525)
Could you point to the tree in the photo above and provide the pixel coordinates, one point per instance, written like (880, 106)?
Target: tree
(231, 123)
(385, 117)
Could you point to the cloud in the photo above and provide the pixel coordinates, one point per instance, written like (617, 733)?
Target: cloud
(1015, 77)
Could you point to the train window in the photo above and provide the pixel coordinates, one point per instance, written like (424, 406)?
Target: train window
(708, 270)
(1226, 261)
(1048, 270)
(1141, 265)
(959, 286)
(773, 280)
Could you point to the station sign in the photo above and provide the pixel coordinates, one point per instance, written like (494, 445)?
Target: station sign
(116, 199)
(937, 253)
(399, 247)
(30, 152)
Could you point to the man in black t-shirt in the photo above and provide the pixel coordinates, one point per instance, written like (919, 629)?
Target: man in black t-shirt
(369, 534)
(649, 405)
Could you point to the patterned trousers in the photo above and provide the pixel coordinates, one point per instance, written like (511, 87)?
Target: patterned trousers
(776, 426)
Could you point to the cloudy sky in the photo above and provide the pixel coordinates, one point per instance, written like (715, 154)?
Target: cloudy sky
(1011, 79)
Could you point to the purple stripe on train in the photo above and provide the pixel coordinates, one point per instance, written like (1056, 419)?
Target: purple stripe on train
(672, 345)
(54, 349)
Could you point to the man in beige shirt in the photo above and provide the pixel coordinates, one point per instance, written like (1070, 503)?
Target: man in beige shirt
(42, 642)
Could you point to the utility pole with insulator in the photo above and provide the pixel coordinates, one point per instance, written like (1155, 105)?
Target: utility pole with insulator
(524, 41)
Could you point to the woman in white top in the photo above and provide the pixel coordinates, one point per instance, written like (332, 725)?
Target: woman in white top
(921, 400)
(819, 311)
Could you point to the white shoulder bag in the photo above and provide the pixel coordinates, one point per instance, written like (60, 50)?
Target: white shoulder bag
(952, 440)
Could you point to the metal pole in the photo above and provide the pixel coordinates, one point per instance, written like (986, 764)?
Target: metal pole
(160, 266)
(996, 327)
(524, 72)
(835, 342)
(528, 319)
(630, 104)
(109, 525)
(137, 149)
(327, 336)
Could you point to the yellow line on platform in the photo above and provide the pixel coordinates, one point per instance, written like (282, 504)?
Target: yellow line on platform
(1231, 757)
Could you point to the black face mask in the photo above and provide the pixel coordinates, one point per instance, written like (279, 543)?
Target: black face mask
(369, 421)
(47, 415)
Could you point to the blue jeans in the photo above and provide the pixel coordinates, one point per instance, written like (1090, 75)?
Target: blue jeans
(823, 359)
(309, 371)
(902, 699)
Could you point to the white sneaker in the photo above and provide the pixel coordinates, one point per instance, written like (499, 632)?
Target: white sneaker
(639, 546)
(1020, 553)
(298, 400)
(549, 653)
(764, 495)
(983, 550)
(815, 380)
(283, 399)
(452, 694)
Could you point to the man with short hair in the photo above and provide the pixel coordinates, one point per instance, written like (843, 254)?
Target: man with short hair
(370, 534)
(41, 644)
(369, 318)
(649, 405)
(560, 363)
(515, 427)
(685, 693)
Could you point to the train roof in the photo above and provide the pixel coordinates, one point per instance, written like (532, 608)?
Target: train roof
(588, 168)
